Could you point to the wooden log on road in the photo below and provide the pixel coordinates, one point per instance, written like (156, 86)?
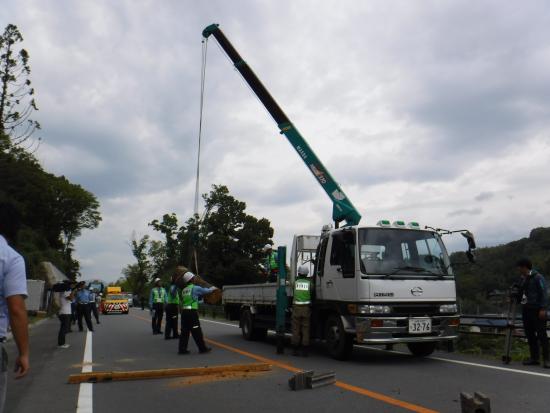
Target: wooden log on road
(104, 376)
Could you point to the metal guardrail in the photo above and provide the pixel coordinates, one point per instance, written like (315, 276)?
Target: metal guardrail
(474, 324)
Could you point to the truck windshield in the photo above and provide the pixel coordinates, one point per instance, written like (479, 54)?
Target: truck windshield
(387, 251)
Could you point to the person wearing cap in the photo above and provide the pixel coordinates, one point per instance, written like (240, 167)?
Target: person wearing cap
(84, 306)
(301, 311)
(271, 263)
(190, 324)
(534, 305)
(172, 305)
(156, 304)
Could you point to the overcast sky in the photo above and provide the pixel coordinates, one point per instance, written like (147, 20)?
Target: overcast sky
(433, 111)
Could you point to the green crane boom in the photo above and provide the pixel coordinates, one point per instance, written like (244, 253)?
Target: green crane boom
(343, 209)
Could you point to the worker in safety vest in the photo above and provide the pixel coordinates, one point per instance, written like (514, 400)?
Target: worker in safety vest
(271, 263)
(172, 310)
(190, 324)
(156, 305)
(301, 311)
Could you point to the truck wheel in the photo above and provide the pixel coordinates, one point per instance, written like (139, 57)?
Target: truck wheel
(250, 332)
(339, 343)
(422, 349)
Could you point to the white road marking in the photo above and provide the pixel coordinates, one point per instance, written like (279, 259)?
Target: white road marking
(85, 393)
(464, 363)
(219, 322)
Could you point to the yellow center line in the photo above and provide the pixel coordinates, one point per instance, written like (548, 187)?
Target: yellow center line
(349, 387)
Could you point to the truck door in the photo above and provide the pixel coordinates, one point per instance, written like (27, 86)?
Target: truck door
(338, 282)
(320, 268)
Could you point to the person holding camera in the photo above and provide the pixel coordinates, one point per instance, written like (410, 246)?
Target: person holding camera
(534, 300)
(65, 296)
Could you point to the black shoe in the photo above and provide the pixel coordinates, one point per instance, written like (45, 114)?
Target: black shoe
(305, 352)
(206, 350)
(183, 352)
(176, 336)
(546, 364)
(98, 322)
(530, 362)
(295, 352)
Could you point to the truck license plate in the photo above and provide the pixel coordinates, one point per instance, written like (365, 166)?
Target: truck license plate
(420, 325)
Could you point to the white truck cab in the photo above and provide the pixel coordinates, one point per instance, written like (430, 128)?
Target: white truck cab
(389, 283)
(383, 284)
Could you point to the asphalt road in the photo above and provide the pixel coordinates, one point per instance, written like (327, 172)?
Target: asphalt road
(372, 381)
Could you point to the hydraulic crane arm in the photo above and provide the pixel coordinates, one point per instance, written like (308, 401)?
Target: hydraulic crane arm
(343, 209)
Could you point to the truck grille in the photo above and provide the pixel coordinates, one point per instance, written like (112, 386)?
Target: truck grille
(408, 310)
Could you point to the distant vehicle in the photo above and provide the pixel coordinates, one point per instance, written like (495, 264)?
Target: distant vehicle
(114, 290)
(130, 297)
(115, 302)
(97, 286)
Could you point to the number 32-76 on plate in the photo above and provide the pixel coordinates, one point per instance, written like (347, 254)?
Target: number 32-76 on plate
(420, 325)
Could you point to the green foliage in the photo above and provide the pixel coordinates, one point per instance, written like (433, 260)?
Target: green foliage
(495, 270)
(54, 210)
(226, 243)
(491, 346)
(136, 276)
(17, 101)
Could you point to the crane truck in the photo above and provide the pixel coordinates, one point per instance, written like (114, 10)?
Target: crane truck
(380, 284)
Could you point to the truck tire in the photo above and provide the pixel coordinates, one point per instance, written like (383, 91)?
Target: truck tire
(422, 349)
(250, 332)
(339, 343)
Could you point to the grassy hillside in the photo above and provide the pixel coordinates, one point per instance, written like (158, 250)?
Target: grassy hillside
(495, 270)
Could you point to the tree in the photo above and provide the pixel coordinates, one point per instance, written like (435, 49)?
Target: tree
(17, 101)
(168, 226)
(54, 210)
(137, 275)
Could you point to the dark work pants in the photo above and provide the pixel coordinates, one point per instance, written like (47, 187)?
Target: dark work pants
(84, 310)
(535, 331)
(65, 320)
(74, 315)
(171, 326)
(158, 309)
(93, 307)
(301, 315)
(190, 324)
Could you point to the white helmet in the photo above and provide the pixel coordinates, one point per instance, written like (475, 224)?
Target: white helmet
(303, 270)
(157, 280)
(188, 276)
(267, 247)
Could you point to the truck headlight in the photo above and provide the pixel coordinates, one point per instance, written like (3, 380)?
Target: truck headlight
(374, 309)
(448, 309)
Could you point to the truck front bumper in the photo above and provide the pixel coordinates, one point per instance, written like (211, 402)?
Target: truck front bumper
(393, 330)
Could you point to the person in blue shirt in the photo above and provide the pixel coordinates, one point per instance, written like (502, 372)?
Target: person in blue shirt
(13, 291)
(83, 306)
(93, 305)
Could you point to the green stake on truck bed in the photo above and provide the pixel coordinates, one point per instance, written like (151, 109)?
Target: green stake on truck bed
(343, 209)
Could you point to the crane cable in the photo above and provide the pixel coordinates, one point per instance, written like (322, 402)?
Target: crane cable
(197, 181)
(203, 80)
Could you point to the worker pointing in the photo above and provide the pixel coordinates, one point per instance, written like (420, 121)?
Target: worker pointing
(301, 312)
(156, 304)
(190, 324)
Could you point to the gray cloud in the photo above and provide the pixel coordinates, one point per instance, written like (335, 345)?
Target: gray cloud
(484, 196)
(458, 212)
(412, 109)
